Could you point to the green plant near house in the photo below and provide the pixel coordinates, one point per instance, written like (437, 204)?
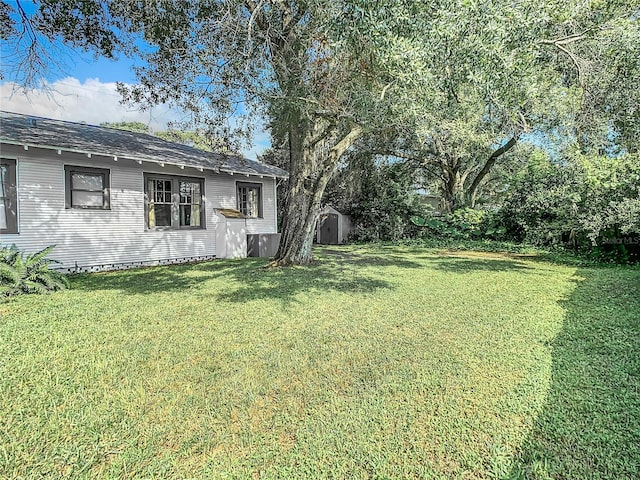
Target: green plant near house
(28, 273)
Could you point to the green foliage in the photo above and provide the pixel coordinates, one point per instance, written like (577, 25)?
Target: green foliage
(197, 139)
(137, 127)
(590, 202)
(540, 205)
(382, 207)
(481, 76)
(610, 191)
(463, 224)
(20, 273)
(194, 138)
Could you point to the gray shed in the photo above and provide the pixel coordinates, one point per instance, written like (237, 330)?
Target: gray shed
(333, 227)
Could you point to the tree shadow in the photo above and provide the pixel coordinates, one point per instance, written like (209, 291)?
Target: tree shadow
(284, 284)
(590, 424)
(335, 269)
(384, 257)
(462, 264)
(241, 280)
(145, 280)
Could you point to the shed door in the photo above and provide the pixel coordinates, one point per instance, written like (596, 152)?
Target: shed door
(329, 229)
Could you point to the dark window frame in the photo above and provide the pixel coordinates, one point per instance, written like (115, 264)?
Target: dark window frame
(253, 185)
(69, 170)
(11, 197)
(175, 201)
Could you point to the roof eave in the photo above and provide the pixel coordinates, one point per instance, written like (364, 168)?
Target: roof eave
(135, 159)
(248, 174)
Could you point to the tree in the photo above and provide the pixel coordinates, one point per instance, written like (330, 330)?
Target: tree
(596, 49)
(198, 139)
(552, 71)
(193, 138)
(304, 65)
(382, 203)
(32, 31)
(137, 127)
(585, 199)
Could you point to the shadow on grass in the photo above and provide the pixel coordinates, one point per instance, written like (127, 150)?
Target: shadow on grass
(384, 257)
(590, 425)
(335, 269)
(146, 280)
(450, 261)
(285, 283)
(239, 280)
(457, 264)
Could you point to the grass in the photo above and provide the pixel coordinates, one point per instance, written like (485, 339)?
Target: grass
(375, 362)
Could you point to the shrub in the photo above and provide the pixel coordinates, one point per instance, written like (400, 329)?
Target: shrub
(463, 224)
(591, 203)
(28, 273)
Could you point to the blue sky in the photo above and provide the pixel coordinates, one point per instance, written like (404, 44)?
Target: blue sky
(84, 89)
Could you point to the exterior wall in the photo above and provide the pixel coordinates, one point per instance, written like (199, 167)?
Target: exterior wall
(117, 236)
(223, 195)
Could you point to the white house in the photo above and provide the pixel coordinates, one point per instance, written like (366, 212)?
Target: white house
(111, 199)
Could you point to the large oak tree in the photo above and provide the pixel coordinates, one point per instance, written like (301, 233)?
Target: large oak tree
(492, 73)
(305, 66)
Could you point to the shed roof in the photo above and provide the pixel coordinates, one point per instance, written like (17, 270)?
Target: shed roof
(32, 131)
(329, 209)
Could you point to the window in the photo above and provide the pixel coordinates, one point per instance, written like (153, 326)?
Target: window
(173, 202)
(250, 199)
(87, 187)
(8, 196)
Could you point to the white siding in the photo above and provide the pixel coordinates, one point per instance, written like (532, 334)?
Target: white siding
(118, 235)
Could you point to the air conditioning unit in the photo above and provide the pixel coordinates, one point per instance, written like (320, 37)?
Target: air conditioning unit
(262, 244)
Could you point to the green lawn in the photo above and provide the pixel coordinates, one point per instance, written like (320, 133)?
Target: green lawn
(375, 362)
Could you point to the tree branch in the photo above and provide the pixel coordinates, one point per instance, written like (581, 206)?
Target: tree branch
(254, 13)
(489, 165)
(560, 44)
(349, 139)
(254, 8)
(576, 37)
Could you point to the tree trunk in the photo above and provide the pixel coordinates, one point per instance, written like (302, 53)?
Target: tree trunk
(453, 191)
(310, 169)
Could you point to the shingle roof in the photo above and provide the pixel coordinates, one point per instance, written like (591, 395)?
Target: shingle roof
(41, 132)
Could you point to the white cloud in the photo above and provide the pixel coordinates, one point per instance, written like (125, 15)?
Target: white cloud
(93, 102)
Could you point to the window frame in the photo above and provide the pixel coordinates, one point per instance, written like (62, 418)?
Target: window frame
(175, 201)
(69, 170)
(256, 185)
(11, 200)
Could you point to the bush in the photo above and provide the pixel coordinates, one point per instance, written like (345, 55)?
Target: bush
(30, 273)
(589, 203)
(463, 224)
